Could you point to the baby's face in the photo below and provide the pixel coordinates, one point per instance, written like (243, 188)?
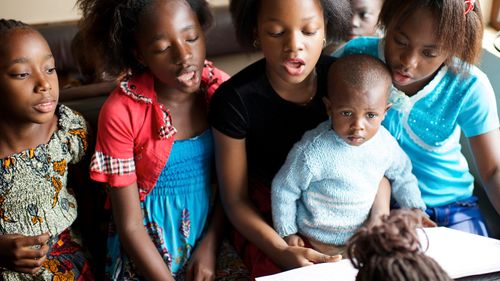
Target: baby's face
(356, 114)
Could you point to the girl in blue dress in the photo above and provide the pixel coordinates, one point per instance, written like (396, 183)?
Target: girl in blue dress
(431, 48)
(154, 145)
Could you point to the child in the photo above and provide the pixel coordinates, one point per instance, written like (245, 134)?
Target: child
(161, 209)
(391, 251)
(365, 18)
(38, 139)
(263, 110)
(364, 22)
(326, 187)
(438, 93)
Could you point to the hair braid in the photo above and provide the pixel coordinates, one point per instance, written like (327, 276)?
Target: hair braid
(391, 251)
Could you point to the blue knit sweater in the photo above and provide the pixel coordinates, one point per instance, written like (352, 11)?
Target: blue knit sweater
(326, 187)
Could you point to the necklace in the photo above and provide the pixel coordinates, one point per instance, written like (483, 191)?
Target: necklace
(308, 100)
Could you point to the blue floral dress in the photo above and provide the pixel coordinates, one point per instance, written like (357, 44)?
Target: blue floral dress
(176, 210)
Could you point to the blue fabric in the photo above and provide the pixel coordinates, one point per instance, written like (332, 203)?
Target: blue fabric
(462, 215)
(325, 177)
(427, 125)
(176, 210)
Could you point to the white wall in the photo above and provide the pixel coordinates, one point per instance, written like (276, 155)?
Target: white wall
(39, 11)
(46, 11)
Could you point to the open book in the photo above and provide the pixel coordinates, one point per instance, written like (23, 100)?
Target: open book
(459, 253)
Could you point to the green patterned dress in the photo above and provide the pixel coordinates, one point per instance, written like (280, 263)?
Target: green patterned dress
(34, 199)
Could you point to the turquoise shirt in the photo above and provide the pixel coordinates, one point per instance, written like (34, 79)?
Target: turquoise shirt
(428, 124)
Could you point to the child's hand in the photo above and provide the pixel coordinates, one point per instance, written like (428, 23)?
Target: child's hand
(201, 266)
(373, 220)
(293, 257)
(425, 220)
(23, 253)
(294, 240)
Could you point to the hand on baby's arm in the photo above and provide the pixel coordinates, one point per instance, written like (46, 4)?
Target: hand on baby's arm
(425, 220)
(294, 240)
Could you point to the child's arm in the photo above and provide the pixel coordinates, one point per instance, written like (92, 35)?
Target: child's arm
(232, 174)
(128, 218)
(292, 179)
(202, 263)
(486, 150)
(23, 253)
(381, 205)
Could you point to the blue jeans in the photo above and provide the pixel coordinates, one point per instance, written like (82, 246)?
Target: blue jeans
(462, 215)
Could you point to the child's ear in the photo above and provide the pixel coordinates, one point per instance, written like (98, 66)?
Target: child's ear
(328, 105)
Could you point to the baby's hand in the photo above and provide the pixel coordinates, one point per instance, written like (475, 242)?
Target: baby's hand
(294, 240)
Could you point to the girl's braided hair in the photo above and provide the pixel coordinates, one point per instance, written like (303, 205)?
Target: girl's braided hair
(6, 25)
(391, 251)
(108, 30)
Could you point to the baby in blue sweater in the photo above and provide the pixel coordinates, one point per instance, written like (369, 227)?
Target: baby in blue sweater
(327, 186)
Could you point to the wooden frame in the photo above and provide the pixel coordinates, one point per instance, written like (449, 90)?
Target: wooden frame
(495, 14)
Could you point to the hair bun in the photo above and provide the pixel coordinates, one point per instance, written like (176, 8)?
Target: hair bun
(395, 235)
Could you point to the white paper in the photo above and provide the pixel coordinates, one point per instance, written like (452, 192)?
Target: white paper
(459, 253)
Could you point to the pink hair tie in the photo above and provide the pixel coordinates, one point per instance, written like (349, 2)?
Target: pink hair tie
(469, 4)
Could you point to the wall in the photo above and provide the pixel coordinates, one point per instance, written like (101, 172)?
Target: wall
(47, 11)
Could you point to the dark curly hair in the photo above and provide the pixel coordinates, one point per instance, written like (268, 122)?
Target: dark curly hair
(452, 25)
(391, 251)
(108, 30)
(337, 15)
(7, 25)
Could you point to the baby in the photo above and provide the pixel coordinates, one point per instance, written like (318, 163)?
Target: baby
(327, 186)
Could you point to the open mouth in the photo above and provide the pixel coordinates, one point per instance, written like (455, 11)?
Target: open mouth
(188, 78)
(401, 77)
(294, 67)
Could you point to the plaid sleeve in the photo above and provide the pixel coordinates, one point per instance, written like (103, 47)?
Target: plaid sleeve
(113, 160)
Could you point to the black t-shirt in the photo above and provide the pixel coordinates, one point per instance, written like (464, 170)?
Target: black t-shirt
(247, 107)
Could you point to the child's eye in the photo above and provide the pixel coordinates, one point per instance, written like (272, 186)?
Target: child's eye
(399, 41)
(161, 50)
(371, 115)
(193, 39)
(20, 76)
(310, 32)
(363, 15)
(429, 53)
(346, 113)
(275, 34)
(51, 70)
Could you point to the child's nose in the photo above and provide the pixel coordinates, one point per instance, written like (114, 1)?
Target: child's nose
(294, 42)
(355, 21)
(42, 84)
(409, 59)
(182, 53)
(357, 124)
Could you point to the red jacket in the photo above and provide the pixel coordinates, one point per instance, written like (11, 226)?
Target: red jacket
(135, 133)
